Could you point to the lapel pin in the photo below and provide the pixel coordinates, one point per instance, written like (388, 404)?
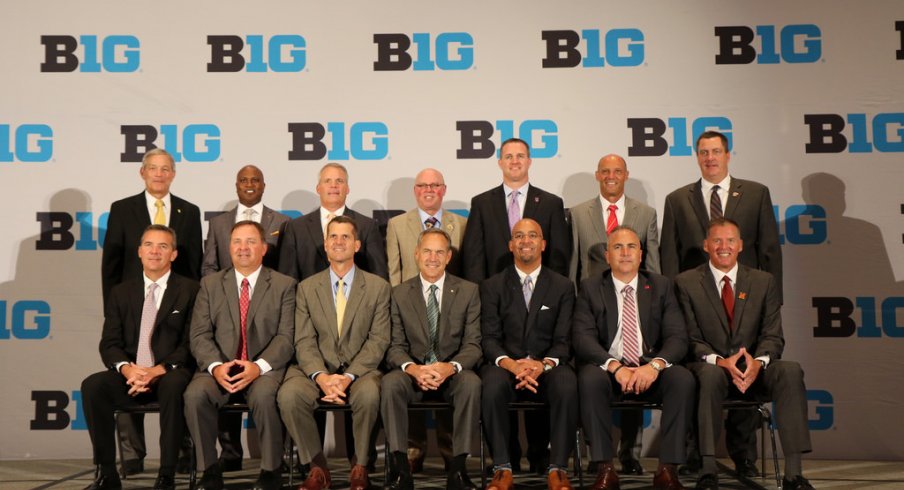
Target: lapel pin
(536, 199)
(179, 210)
(735, 194)
(646, 286)
(742, 295)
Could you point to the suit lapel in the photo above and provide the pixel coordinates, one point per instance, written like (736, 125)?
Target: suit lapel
(230, 290)
(166, 304)
(260, 290)
(355, 297)
(536, 299)
(266, 220)
(734, 198)
(416, 298)
(498, 208)
(140, 210)
(708, 282)
(450, 290)
(596, 217)
(610, 303)
(700, 208)
(413, 222)
(448, 224)
(630, 219)
(742, 286)
(328, 305)
(175, 217)
(644, 307)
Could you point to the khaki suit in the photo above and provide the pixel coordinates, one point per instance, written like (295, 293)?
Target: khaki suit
(401, 241)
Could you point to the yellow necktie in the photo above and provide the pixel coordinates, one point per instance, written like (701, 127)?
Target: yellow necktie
(159, 218)
(340, 304)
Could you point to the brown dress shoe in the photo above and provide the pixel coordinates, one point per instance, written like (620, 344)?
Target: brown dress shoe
(606, 477)
(558, 480)
(666, 478)
(318, 479)
(502, 480)
(358, 479)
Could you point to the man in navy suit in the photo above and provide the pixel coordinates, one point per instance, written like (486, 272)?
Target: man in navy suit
(145, 349)
(127, 221)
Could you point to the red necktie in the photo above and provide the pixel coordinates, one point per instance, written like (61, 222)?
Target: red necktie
(728, 300)
(244, 300)
(612, 221)
(630, 350)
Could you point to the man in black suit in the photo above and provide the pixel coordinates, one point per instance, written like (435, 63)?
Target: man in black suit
(127, 221)
(302, 253)
(249, 186)
(733, 315)
(434, 347)
(629, 336)
(526, 335)
(688, 211)
(145, 349)
(485, 250)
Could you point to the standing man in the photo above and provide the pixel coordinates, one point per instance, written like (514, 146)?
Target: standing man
(688, 211)
(591, 223)
(401, 242)
(127, 221)
(145, 349)
(249, 186)
(629, 336)
(733, 315)
(434, 348)
(526, 327)
(341, 336)
(241, 336)
(495, 212)
(303, 254)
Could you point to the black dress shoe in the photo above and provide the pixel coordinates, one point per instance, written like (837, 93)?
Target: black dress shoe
(212, 479)
(691, 468)
(229, 465)
(165, 482)
(268, 480)
(796, 483)
(131, 467)
(458, 480)
(631, 467)
(708, 481)
(400, 482)
(105, 482)
(746, 468)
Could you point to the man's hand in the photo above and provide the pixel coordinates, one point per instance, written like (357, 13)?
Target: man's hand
(248, 372)
(623, 375)
(333, 386)
(529, 378)
(140, 378)
(430, 376)
(641, 378)
(750, 374)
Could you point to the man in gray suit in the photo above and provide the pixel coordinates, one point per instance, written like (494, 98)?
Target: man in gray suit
(434, 348)
(241, 335)
(401, 241)
(342, 333)
(734, 321)
(249, 186)
(591, 223)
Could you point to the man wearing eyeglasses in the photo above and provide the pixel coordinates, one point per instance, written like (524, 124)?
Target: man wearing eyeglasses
(687, 213)
(402, 235)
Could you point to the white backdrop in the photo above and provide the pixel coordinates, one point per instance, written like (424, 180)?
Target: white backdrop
(61, 140)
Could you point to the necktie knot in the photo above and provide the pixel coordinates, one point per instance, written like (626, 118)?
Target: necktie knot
(612, 219)
(514, 209)
(528, 290)
(249, 214)
(431, 222)
(728, 299)
(715, 204)
(159, 216)
(628, 290)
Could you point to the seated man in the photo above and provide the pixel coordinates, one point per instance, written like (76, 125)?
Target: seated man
(145, 348)
(526, 313)
(241, 335)
(734, 321)
(434, 347)
(341, 335)
(628, 335)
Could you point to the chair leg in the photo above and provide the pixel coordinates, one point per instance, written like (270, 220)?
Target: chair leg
(193, 472)
(577, 458)
(767, 418)
(483, 458)
(122, 456)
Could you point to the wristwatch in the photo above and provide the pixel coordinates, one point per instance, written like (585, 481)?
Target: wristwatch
(655, 365)
(548, 365)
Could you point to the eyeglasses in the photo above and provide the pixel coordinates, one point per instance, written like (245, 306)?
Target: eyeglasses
(715, 152)
(432, 187)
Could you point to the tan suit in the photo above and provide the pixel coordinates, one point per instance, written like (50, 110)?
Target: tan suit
(319, 348)
(401, 240)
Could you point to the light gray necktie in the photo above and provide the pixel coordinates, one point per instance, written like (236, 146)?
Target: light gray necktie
(144, 357)
(528, 289)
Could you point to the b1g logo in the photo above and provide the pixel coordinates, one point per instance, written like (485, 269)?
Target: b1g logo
(822, 410)
(285, 53)
(649, 138)
(826, 133)
(358, 141)
(834, 317)
(114, 54)
(798, 43)
(805, 224)
(33, 143)
(200, 142)
(24, 320)
(477, 137)
(57, 233)
(449, 51)
(899, 26)
(51, 411)
(622, 47)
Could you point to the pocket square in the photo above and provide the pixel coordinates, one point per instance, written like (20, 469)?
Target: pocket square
(543, 307)
(175, 312)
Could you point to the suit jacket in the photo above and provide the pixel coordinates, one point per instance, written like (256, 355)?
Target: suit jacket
(219, 230)
(169, 340)
(301, 254)
(485, 247)
(458, 329)
(401, 241)
(588, 233)
(757, 314)
(661, 322)
(685, 220)
(127, 220)
(365, 326)
(512, 329)
(216, 324)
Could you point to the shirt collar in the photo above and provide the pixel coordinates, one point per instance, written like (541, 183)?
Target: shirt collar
(425, 286)
(347, 279)
(620, 203)
(324, 213)
(508, 190)
(718, 275)
(151, 200)
(619, 286)
(240, 210)
(424, 215)
(252, 278)
(707, 186)
(161, 283)
(533, 275)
